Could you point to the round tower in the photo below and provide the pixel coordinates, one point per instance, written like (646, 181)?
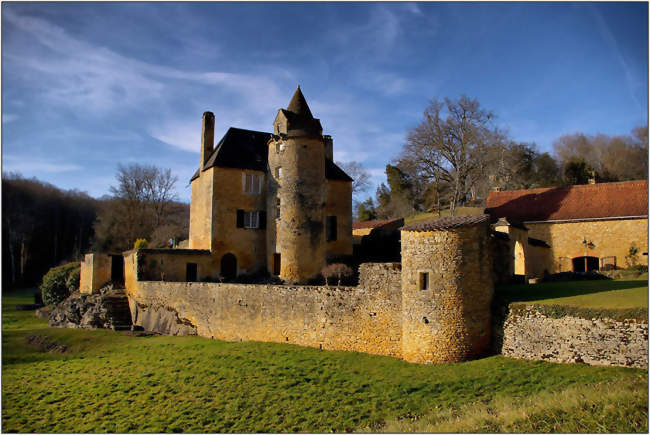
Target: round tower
(296, 194)
(446, 289)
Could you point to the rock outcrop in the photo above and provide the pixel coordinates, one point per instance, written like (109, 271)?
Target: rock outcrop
(107, 309)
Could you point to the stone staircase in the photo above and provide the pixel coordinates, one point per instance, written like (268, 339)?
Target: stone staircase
(117, 309)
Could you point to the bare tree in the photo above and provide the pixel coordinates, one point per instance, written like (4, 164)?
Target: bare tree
(141, 203)
(449, 145)
(358, 173)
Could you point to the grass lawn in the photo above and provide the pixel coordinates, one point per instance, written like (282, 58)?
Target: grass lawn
(108, 381)
(631, 293)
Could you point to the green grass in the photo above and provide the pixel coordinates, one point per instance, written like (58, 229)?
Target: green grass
(110, 382)
(587, 294)
(616, 299)
(460, 211)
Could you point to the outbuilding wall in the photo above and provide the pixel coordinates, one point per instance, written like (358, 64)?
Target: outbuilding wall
(609, 238)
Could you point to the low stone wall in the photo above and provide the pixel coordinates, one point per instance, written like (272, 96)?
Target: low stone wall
(529, 334)
(366, 318)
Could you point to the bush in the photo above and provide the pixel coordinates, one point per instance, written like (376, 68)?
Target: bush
(337, 270)
(140, 244)
(73, 280)
(55, 283)
(639, 267)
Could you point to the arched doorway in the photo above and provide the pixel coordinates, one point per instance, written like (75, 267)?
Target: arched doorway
(228, 266)
(584, 264)
(520, 259)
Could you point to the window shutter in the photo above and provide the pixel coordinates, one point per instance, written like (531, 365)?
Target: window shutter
(261, 180)
(240, 218)
(243, 181)
(262, 220)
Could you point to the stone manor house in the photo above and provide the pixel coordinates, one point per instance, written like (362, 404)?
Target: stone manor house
(276, 203)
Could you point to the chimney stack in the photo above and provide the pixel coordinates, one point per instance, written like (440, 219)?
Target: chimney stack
(207, 137)
(329, 147)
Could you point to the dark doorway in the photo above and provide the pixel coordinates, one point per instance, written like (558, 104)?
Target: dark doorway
(584, 264)
(191, 272)
(276, 264)
(117, 269)
(228, 266)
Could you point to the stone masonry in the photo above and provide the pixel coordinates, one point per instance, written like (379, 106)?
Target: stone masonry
(532, 335)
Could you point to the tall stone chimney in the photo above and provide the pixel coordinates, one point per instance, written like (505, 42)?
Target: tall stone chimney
(207, 137)
(329, 147)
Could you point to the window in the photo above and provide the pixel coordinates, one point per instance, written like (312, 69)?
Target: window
(424, 281)
(279, 147)
(277, 208)
(251, 219)
(330, 230)
(278, 173)
(252, 183)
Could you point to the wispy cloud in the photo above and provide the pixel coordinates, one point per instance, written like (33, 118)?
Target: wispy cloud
(29, 166)
(633, 83)
(9, 117)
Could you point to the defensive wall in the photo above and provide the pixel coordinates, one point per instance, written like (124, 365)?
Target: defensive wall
(435, 310)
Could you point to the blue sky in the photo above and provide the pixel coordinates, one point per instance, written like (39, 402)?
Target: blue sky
(86, 86)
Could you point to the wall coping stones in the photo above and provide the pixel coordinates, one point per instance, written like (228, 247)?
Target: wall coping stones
(447, 223)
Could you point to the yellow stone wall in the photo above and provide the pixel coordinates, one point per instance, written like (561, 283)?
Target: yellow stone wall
(362, 231)
(248, 245)
(95, 272)
(201, 210)
(451, 320)
(339, 204)
(363, 319)
(610, 238)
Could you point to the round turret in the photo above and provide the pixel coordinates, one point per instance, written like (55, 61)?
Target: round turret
(296, 194)
(446, 289)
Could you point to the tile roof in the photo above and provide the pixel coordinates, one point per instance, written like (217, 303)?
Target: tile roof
(590, 201)
(447, 223)
(374, 224)
(248, 149)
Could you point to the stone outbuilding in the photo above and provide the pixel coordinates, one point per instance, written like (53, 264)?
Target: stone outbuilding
(575, 228)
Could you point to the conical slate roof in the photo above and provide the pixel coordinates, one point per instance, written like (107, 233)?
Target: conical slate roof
(298, 105)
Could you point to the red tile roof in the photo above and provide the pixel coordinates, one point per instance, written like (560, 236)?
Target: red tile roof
(375, 224)
(590, 201)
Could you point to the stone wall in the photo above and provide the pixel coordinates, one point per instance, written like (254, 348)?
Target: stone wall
(609, 237)
(366, 318)
(95, 272)
(529, 334)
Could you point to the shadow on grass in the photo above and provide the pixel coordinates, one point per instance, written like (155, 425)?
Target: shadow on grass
(550, 290)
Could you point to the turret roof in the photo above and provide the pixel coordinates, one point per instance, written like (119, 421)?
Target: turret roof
(298, 105)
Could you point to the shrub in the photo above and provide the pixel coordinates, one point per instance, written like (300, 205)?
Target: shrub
(336, 270)
(54, 287)
(140, 244)
(73, 280)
